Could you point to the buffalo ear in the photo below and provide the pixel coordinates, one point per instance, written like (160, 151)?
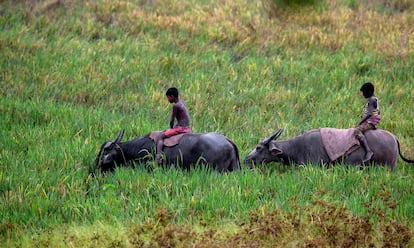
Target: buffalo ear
(119, 137)
(106, 145)
(274, 150)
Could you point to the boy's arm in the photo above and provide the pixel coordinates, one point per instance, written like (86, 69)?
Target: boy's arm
(372, 104)
(173, 115)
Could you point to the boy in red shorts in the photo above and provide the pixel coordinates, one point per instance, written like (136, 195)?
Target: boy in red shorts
(179, 112)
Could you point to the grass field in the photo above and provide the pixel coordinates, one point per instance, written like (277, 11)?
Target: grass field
(73, 73)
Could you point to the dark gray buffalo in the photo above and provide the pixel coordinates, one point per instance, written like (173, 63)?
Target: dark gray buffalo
(309, 148)
(212, 149)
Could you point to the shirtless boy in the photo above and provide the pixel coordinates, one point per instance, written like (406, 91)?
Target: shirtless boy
(179, 112)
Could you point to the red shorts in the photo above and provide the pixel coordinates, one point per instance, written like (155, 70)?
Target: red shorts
(176, 130)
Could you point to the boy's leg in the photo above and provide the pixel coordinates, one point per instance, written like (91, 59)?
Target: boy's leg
(167, 133)
(361, 137)
(159, 143)
(368, 151)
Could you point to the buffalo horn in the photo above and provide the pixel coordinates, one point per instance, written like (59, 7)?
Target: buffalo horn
(274, 136)
(119, 137)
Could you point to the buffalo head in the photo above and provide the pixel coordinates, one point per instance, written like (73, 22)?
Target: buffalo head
(266, 151)
(110, 154)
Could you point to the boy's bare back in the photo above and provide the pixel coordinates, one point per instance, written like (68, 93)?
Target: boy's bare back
(180, 112)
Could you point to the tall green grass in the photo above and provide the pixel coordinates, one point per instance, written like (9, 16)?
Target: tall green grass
(73, 73)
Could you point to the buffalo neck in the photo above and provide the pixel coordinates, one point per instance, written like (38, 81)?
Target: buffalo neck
(133, 149)
(286, 147)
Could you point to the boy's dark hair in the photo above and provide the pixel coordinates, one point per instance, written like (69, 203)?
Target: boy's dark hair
(172, 92)
(367, 87)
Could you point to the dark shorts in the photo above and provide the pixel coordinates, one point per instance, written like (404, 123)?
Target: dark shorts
(361, 129)
(367, 126)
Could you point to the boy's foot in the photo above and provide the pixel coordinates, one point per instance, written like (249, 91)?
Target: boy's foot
(368, 156)
(158, 158)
